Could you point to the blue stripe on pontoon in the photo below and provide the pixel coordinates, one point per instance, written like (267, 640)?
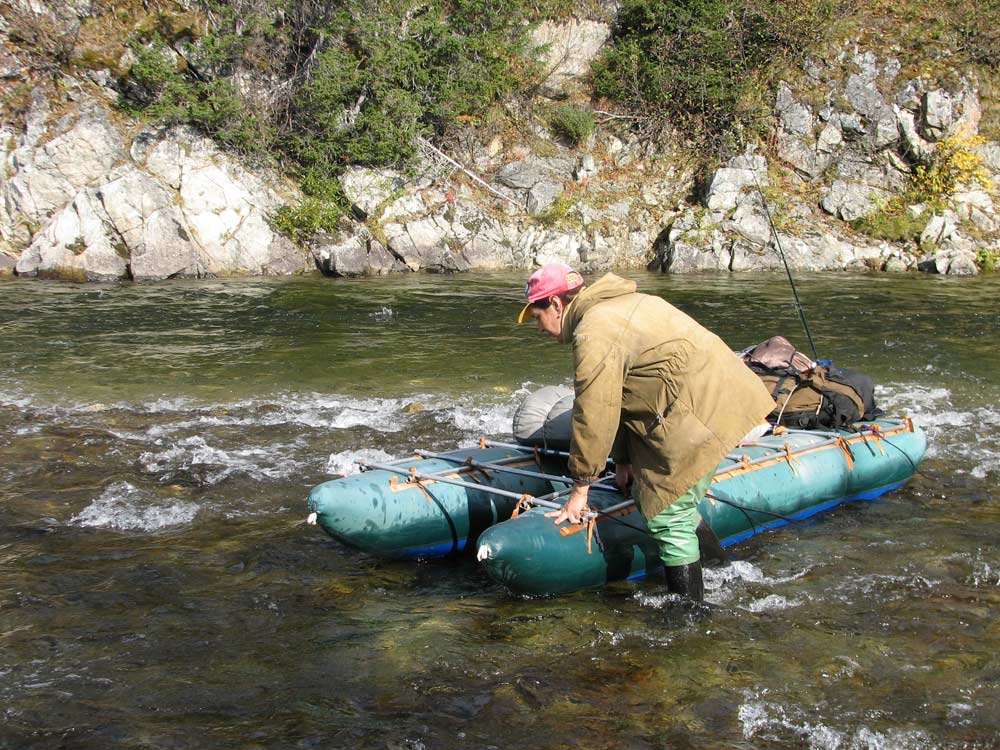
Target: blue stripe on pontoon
(436, 550)
(808, 513)
(815, 510)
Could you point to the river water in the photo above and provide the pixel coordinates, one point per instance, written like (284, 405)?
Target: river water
(160, 589)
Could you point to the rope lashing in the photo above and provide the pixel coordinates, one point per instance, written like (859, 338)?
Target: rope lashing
(415, 480)
(878, 436)
(791, 459)
(524, 503)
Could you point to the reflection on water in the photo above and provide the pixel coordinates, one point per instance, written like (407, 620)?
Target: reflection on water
(158, 587)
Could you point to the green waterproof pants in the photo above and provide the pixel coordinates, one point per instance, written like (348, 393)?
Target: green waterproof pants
(675, 528)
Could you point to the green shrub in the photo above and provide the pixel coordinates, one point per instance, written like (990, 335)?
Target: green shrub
(987, 259)
(415, 68)
(303, 220)
(167, 90)
(698, 62)
(955, 163)
(894, 222)
(573, 123)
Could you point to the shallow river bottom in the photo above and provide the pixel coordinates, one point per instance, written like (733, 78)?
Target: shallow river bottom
(159, 587)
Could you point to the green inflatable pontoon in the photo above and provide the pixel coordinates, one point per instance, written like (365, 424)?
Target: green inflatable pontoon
(761, 485)
(493, 498)
(432, 504)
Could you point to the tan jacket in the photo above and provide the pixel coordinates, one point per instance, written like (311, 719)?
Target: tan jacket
(677, 398)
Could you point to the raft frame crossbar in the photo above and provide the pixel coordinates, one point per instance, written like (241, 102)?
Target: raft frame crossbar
(526, 448)
(545, 501)
(494, 466)
(537, 474)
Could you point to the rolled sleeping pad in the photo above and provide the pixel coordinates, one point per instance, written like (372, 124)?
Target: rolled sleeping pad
(545, 418)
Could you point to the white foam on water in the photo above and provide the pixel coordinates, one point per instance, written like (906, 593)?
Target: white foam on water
(125, 507)
(345, 462)
(14, 399)
(487, 419)
(310, 410)
(772, 603)
(968, 438)
(769, 720)
(958, 713)
(741, 570)
(273, 462)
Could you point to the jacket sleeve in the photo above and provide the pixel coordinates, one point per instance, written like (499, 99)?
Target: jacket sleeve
(599, 367)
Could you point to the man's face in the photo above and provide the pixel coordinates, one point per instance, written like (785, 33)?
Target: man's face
(549, 319)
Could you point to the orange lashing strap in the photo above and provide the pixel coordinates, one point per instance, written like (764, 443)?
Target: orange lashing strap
(745, 461)
(575, 528)
(572, 528)
(847, 452)
(779, 429)
(523, 503)
(791, 459)
(909, 423)
(538, 456)
(482, 443)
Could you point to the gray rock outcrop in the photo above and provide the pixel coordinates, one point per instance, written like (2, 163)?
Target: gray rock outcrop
(79, 204)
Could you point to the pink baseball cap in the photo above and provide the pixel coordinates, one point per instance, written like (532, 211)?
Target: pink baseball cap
(549, 281)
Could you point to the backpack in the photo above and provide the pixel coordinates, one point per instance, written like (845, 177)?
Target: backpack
(808, 395)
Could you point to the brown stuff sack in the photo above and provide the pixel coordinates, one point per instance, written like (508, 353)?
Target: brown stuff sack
(807, 395)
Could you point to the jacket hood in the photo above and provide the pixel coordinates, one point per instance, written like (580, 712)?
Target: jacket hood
(607, 287)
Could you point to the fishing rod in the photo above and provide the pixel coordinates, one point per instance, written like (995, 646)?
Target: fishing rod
(784, 260)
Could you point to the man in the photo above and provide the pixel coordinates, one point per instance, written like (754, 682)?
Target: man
(659, 393)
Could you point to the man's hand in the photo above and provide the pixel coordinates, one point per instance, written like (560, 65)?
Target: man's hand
(573, 509)
(624, 477)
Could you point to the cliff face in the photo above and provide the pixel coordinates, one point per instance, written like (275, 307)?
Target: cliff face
(863, 166)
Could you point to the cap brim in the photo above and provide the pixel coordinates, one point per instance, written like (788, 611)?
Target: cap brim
(525, 313)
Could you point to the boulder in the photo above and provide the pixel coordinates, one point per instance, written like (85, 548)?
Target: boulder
(750, 222)
(540, 246)
(566, 50)
(489, 246)
(916, 146)
(963, 263)
(728, 185)
(850, 200)
(79, 243)
(960, 262)
(152, 229)
(225, 207)
(542, 195)
(524, 174)
(977, 208)
(794, 118)
(830, 139)
(346, 257)
(367, 189)
(81, 149)
(937, 113)
(938, 231)
(805, 157)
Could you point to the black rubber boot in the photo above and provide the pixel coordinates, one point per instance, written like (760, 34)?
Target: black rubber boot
(685, 581)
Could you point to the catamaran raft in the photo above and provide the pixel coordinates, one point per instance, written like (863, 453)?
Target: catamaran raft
(493, 497)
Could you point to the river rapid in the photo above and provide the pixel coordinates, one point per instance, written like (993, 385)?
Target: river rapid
(159, 587)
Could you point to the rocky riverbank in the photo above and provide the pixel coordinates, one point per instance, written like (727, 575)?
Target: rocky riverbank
(89, 193)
